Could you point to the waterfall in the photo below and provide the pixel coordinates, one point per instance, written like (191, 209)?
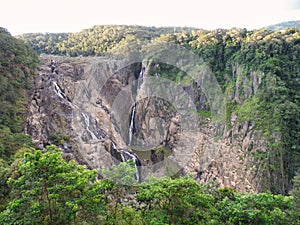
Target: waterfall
(87, 123)
(130, 156)
(140, 81)
(124, 155)
(58, 91)
(131, 125)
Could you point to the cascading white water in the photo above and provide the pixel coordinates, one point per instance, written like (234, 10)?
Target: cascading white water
(125, 156)
(131, 125)
(59, 92)
(140, 80)
(129, 156)
(87, 123)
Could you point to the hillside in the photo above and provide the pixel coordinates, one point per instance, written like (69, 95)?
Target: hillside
(96, 41)
(18, 65)
(18, 68)
(284, 25)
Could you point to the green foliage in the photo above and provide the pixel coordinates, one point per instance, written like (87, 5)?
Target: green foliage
(44, 43)
(176, 201)
(18, 65)
(96, 41)
(204, 113)
(275, 108)
(256, 209)
(4, 175)
(296, 191)
(49, 190)
(45, 189)
(11, 142)
(122, 174)
(118, 185)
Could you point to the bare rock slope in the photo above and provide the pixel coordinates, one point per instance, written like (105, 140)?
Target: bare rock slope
(85, 106)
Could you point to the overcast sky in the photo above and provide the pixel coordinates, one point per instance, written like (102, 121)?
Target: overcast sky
(25, 16)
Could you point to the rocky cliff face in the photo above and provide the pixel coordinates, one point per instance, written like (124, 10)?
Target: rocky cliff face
(71, 107)
(220, 152)
(229, 158)
(85, 106)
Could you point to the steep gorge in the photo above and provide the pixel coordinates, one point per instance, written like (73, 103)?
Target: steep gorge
(258, 75)
(85, 108)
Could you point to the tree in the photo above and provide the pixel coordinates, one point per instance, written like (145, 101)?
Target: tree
(296, 194)
(50, 190)
(176, 201)
(119, 188)
(263, 208)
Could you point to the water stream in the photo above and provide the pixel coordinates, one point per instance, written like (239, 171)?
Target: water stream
(87, 123)
(125, 156)
(130, 156)
(131, 125)
(59, 92)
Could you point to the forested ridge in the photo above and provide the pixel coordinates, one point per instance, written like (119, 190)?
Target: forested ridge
(96, 41)
(40, 187)
(18, 64)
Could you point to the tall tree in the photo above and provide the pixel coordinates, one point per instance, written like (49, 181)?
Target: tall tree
(50, 190)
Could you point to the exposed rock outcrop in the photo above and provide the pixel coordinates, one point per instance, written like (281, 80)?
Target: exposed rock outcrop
(75, 102)
(229, 156)
(90, 100)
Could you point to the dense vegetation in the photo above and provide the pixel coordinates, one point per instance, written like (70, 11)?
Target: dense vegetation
(18, 64)
(41, 188)
(96, 41)
(48, 190)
